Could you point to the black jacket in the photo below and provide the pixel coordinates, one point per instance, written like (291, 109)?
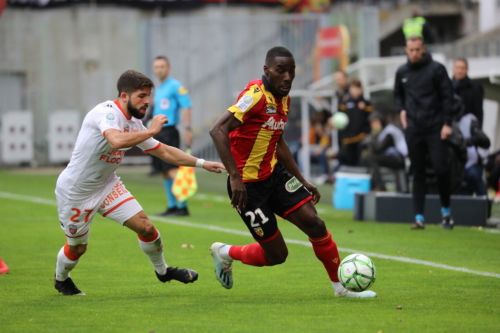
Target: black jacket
(425, 91)
(472, 94)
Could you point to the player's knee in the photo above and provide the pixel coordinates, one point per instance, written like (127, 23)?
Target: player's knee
(78, 249)
(315, 226)
(147, 228)
(277, 258)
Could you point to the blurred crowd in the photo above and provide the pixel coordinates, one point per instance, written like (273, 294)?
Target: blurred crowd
(374, 142)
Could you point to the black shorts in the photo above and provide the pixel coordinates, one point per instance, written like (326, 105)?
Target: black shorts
(279, 194)
(169, 135)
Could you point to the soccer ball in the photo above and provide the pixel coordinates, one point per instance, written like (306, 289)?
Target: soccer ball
(357, 272)
(340, 120)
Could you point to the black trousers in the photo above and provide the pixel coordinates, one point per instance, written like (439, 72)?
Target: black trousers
(420, 146)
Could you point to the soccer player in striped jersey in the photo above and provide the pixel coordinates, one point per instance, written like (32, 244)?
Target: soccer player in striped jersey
(264, 180)
(89, 184)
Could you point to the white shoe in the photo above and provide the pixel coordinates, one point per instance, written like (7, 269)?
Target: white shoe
(223, 268)
(362, 294)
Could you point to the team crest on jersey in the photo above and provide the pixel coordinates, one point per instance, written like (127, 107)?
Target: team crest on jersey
(271, 110)
(73, 229)
(259, 232)
(256, 90)
(293, 185)
(126, 129)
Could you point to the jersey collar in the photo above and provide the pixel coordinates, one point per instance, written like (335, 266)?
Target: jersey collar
(119, 107)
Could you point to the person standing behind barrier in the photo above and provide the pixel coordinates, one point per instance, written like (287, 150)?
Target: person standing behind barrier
(471, 92)
(418, 26)
(423, 94)
(386, 148)
(358, 110)
(171, 99)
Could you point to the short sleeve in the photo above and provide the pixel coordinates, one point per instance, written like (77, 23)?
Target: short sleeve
(183, 97)
(246, 101)
(150, 144)
(107, 119)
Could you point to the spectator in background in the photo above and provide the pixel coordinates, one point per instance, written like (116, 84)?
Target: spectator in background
(385, 147)
(358, 110)
(474, 138)
(342, 82)
(471, 92)
(418, 26)
(320, 141)
(423, 94)
(493, 174)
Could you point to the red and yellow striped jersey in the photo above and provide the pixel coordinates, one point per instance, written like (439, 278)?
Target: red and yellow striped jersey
(253, 144)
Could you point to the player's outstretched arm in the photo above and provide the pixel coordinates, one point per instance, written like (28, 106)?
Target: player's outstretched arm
(285, 157)
(176, 156)
(220, 136)
(117, 139)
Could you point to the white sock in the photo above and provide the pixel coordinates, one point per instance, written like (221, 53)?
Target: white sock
(224, 252)
(154, 251)
(338, 287)
(64, 265)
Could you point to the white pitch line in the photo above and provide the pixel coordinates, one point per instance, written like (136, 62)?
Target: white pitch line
(290, 241)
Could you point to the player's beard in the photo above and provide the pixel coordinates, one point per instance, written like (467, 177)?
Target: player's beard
(135, 112)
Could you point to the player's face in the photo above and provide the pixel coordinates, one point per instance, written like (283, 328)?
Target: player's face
(138, 103)
(280, 74)
(415, 50)
(161, 69)
(459, 70)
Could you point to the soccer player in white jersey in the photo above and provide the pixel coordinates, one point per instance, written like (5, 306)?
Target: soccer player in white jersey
(89, 184)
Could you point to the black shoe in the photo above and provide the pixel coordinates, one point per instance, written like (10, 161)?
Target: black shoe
(418, 225)
(180, 212)
(67, 287)
(168, 212)
(183, 275)
(447, 222)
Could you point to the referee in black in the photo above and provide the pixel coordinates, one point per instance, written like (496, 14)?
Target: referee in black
(423, 94)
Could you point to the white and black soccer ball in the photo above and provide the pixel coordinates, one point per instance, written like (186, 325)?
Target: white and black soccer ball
(357, 272)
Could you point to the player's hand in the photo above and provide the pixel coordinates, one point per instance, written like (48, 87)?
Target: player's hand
(402, 117)
(445, 132)
(157, 123)
(239, 197)
(313, 190)
(213, 166)
(188, 136)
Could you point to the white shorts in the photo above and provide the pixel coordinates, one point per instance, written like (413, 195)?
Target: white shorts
(118, 205)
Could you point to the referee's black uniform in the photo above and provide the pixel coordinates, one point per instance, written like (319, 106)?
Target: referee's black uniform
(425, 91)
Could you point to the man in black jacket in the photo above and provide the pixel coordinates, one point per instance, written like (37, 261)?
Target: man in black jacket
(471, 92)
(423, 94)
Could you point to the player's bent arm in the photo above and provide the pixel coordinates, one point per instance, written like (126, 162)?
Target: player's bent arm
(117, 139)
(220, 136)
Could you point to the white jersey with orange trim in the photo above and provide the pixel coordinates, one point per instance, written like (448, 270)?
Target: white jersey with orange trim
(91, 170)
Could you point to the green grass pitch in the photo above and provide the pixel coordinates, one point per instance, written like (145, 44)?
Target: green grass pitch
(123, 294)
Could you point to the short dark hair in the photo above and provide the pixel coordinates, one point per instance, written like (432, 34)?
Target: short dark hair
(356, 83)
(464, 60)
(278, 51)
(133, 80)
(161, 57)
(415, 38)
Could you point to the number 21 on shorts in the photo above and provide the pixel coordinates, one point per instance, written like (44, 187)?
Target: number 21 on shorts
(258, 212)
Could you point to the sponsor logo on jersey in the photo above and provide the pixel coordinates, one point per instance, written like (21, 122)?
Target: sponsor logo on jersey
(293, 185)
(271, 110)
(259, 232)
(244, 103)
(256, 90)
(110, 116)
(126, 129)
(272, 124)
(113, 157)
(73, 229)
